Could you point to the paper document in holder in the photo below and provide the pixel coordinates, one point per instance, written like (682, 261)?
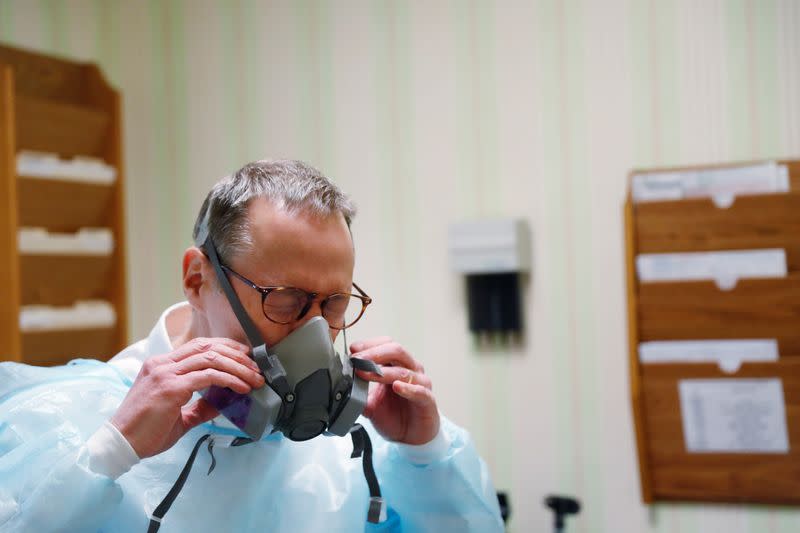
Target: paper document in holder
(725, 267)
(723, 183)
(728, 354)
(87, 241)
(81, 315)
(733, 415)
(80, 168)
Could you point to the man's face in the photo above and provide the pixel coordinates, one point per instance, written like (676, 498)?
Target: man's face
(290, 250)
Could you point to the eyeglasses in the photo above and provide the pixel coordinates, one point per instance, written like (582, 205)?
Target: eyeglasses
(284, 305)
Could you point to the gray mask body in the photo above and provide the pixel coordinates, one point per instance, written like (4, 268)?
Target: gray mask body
(324, 394)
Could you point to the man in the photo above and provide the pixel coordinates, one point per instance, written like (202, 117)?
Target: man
(107, 442)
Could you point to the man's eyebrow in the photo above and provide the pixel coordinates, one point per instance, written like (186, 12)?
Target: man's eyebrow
(264, 281)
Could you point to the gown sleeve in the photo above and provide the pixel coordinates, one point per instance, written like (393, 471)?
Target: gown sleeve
(46, 483)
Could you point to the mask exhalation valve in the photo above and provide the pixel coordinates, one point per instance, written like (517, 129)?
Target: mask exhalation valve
(310, 416)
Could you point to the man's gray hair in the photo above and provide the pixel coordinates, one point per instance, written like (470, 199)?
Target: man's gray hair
(290, 185)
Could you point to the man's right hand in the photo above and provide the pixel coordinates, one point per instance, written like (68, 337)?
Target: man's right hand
(155, 414)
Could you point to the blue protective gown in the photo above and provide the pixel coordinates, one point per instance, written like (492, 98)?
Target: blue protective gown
(276, 485)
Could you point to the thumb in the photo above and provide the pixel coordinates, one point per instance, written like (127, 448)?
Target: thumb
(197, 413)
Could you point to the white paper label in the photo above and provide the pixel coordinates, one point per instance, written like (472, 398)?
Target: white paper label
(728, 182)
(718, 266)
(729, 354)
(733, 415)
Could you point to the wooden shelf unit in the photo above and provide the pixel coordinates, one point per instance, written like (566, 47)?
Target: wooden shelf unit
(695, 310)
(53, 105)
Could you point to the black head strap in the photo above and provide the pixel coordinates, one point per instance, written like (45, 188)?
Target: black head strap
(270, 365)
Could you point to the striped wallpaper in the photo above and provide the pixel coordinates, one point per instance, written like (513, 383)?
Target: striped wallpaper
(433, 111)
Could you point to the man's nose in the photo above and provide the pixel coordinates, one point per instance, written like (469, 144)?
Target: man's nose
(314, 310)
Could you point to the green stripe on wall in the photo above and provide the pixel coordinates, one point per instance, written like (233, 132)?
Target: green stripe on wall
(232, 128)
(546, 30)
(305, 22)
(324, 95)
(183, 214)
(253, 94)
(6, 21)
(654, 90)
(55, 30)
(586, 360)
(162, 180)
(405, 187)
(740, 66)
(380, 18)
(655, 83)
(107, 43)
(667, 77)
(763, 20)
(468, 199)
(467, 196)
(495, 360)
(643, 68)
(484, 129)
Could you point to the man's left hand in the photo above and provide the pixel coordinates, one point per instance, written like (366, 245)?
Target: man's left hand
(401, 404)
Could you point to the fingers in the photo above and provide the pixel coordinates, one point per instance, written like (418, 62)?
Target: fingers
(202, 379)
(222, 362)
(400, 370)
(416, 394)
(397, 373)
(360, 346)
(201, 344)
(240, 356)
(199, 364)
(390, 353)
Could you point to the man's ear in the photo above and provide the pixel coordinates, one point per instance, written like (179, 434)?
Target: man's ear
(197, 276)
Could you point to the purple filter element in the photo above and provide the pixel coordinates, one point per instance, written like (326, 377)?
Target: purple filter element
(232, 405)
